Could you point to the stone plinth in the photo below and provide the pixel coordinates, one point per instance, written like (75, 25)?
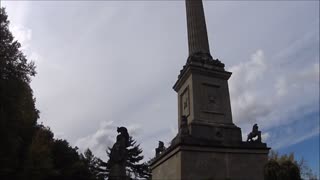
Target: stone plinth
(193, 161)
(203, 98)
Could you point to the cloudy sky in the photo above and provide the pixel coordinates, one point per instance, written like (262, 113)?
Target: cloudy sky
(105, 64)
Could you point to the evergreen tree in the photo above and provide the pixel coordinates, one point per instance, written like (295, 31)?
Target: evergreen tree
(67, 162)
(18, 115)
(93, 164)
(136, 168)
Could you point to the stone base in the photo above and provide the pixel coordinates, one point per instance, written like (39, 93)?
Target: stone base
(194, 162)
(226, 134)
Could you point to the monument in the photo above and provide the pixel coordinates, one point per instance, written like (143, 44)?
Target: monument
(208, 145)
(118, 156)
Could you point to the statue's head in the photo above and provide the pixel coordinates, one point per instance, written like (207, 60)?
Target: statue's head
(122, 130)
(161, 144)
(123, 134)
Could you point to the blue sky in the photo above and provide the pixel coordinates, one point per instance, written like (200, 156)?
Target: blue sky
(308, 150)
(104, 64)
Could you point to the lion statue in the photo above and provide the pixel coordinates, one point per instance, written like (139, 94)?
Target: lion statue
(255, 132)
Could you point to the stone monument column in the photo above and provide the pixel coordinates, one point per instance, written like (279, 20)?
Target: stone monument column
(208, 145)
(197, 30)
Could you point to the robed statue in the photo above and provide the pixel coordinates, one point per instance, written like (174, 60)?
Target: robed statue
(160, 149)
(119, 155)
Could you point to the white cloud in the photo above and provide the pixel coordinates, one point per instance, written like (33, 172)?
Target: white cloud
(256, 67)
(22, 34)
(265, 136)
(248, 72)
(104, 137)
(100, 140)
(273, 97)
(243, 89)
(292, 81)
(290, 138)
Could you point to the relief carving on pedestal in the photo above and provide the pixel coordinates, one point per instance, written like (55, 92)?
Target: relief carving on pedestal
(211, 102)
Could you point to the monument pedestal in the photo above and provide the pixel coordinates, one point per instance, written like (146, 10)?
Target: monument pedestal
(209, 145)
(196, 160)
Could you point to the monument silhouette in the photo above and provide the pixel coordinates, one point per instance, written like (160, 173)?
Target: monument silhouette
(208, 145)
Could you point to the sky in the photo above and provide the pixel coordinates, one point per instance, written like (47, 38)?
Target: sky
(105, 64)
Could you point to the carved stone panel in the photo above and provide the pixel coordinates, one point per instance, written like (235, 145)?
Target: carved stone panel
(185, 102)
(211, 98)
(211, 103)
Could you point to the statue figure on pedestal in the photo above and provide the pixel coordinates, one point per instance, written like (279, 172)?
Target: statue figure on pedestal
(184, 130)
(160, 148)
(118, 156)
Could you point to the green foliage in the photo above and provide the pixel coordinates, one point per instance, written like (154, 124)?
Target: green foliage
(67, 162)
(18, 115)
(29, 151)
(39, 162)
(93, 163)
(134, 157)
(271, 170)
(285, 167)
(289, 170)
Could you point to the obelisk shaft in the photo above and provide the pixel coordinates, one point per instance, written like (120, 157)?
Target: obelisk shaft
(197, 30)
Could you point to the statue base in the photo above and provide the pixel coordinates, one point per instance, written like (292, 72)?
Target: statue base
(190, 160)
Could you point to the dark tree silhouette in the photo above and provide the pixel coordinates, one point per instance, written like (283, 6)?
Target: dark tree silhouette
(134, 166)
(93, 164)
(67, 162)
(39, 162)
(272, 170)
(18, 115)
(285, 167)
(28, 150)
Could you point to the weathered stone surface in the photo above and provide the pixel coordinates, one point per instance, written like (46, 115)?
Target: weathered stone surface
(168, 166)
(197, 30)
(189, 162)
(160, 148)
(203, 96)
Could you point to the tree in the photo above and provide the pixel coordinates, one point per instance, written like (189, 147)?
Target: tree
(271, 170)
(39, 162)
(93, 164)
(28, 150)
(285, 167)
(134, 167)
(67, 162)
(18, 115)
